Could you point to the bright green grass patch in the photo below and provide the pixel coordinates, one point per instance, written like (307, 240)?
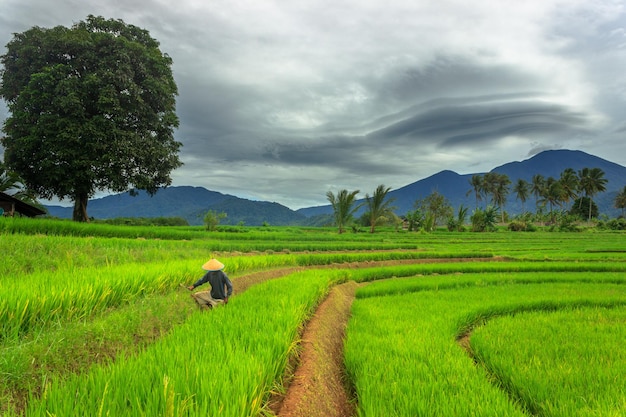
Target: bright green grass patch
(224, 362)
(569, 362)
(37, 301)
(463, 278)
(403, 357)
(26, 365)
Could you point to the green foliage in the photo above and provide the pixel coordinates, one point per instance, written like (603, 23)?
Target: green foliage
(519, 225)
(344, 207)
(484, 220)
(212, 219)
(414, 219)
(497, 185)
(568, 223)
(458, 224)
(429, 224)
(613, 224)
(437, 206)
(145, 221)
(92, 108)
(379, 208)
(584, 208)
(620, 201)
(591, 182)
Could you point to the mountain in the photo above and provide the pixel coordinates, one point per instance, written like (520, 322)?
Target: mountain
(192, 203)
(455, 187)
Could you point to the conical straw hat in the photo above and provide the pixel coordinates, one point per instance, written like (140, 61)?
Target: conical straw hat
(213, 265)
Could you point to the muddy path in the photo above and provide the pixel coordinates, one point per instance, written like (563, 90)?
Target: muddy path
(316, 384)
(319, 387)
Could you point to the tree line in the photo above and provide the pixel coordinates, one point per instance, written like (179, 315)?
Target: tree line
(578, 187)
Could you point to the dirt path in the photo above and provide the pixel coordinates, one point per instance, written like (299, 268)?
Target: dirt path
(318, 387)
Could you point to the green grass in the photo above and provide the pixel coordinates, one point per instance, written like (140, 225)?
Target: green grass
(225, 362)
(569, 362)
(402, 352)
(76, 299)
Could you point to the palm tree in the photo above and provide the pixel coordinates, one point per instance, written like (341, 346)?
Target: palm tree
(500, 190)
(552, 194)
(343, 207)
(591, 182)
(380, 209)
(537, 186)
(9, 180)
(490, 180)
(620, 200)
(13, 183)
(569, 183)
(521, 190)
(477, 187)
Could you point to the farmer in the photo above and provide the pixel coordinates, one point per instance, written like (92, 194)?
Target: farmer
(221, 287)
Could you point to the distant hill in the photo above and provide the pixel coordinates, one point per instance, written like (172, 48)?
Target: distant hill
(455, 187)
(192, 203)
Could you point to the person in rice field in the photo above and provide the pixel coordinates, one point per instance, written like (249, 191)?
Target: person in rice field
(221, 287)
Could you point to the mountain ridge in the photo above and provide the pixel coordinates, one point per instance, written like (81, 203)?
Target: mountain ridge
(192, 202)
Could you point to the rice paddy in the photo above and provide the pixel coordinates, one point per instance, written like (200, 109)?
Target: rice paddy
(93, 320)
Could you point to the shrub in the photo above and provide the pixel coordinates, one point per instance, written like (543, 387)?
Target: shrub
(484, 220)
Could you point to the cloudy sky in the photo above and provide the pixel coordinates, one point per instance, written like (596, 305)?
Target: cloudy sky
(285, 100)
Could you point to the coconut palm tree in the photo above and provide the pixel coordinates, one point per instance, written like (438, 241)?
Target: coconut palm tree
(569, 183)
(521, 190)
(379, 207)
(591, 181)
(498, 186)
(552, 194)
(620, 200)
(477, 187)
(343, 207)
(536, 188)
(9, 180)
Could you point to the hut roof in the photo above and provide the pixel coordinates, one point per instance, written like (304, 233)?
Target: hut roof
(20, 206)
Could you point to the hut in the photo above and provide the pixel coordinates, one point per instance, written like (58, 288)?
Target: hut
(9, 206)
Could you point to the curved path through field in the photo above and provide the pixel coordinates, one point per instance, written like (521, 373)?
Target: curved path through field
(318, 386)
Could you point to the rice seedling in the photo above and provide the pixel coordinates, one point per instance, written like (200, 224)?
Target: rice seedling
(404, 360)
(566, 362)
(222, 363)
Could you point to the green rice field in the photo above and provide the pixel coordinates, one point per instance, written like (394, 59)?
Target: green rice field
(93, 321)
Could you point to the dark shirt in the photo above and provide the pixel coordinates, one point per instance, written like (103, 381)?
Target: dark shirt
(218, 280)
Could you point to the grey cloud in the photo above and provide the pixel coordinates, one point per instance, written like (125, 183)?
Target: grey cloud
(464, 125)
(285, 100)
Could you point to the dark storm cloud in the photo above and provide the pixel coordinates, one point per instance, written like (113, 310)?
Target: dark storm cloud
(452, 125)
(283, 101)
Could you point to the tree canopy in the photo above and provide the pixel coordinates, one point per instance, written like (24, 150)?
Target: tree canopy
(92, 107)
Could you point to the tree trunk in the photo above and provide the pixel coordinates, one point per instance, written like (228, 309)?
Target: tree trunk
(80, 208)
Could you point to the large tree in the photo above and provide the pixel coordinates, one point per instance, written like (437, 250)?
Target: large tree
(343, 207)
(92, 108)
